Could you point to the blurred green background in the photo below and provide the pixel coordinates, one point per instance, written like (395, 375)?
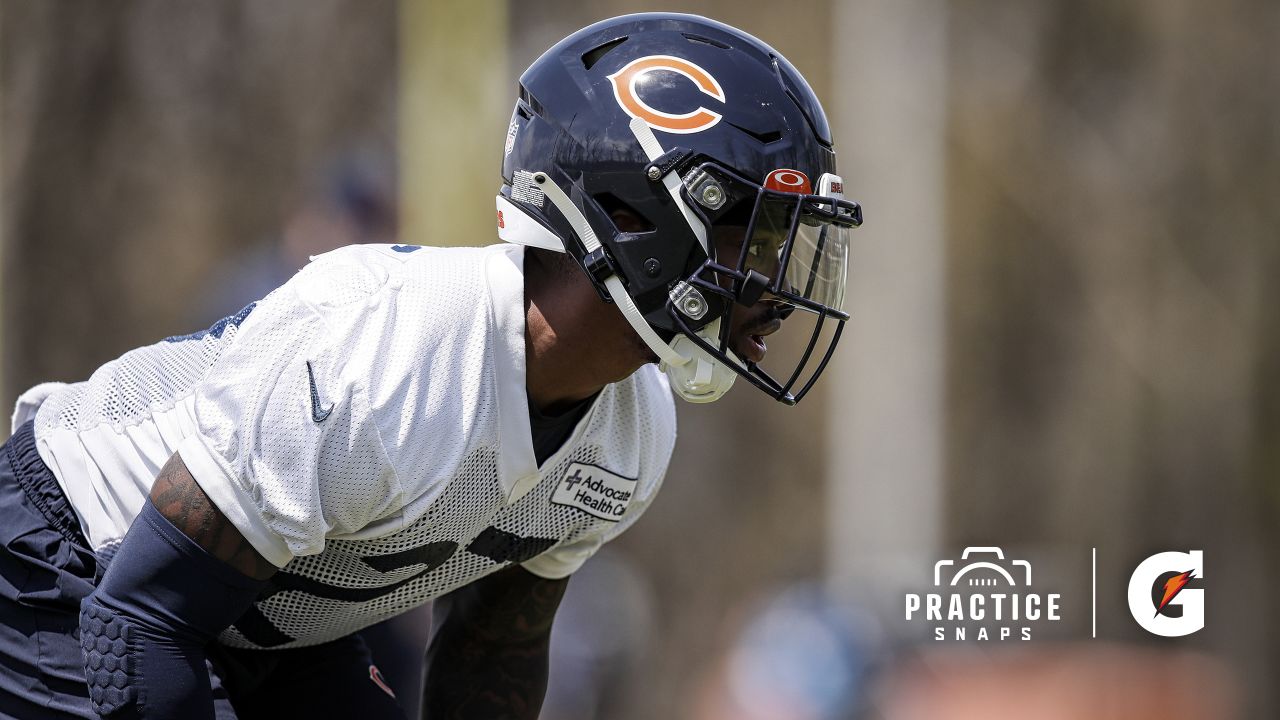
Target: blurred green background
(1063, 336)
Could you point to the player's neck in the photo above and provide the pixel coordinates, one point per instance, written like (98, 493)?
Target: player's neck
(573, 343)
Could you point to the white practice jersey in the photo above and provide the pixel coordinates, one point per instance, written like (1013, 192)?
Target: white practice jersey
(365, 427)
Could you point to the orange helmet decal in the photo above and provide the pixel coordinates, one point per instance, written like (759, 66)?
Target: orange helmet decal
(624, 90)
(788, 180)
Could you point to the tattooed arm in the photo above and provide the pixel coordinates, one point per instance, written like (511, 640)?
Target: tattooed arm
(182, 574)
(182, 502)
(487, 659)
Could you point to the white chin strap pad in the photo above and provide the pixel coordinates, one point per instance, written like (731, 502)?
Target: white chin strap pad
(701, 379)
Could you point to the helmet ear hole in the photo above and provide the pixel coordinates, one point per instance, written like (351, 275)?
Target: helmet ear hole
(625, 218)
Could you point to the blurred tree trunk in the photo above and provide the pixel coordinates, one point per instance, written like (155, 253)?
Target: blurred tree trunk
(1114, 170)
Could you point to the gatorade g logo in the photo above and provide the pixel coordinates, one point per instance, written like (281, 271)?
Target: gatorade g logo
(1159, 598)
(696, 120)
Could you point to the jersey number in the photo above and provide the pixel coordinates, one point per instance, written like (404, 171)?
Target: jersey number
(497, 545)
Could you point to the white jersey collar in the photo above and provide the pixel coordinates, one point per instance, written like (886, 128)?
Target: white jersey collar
(517, 468)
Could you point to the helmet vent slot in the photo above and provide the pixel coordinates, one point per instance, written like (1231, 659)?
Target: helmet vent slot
(592, 56)
(531, 102)
(610, 203)
(764, 137)
(704, 40)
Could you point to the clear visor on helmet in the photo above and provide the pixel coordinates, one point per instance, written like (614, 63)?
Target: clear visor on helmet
(779, 261)
(815, 265)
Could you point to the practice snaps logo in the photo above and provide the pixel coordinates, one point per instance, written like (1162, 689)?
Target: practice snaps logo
(1163, 596)
(985, 598)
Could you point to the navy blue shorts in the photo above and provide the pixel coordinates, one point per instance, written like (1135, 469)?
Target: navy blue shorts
(47, 568)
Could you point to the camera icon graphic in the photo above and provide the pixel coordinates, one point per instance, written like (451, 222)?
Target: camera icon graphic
(984, 572)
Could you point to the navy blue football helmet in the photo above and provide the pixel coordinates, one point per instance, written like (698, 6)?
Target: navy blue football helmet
(721, 154)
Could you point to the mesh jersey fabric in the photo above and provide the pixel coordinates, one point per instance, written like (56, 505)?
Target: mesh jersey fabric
(365, 426)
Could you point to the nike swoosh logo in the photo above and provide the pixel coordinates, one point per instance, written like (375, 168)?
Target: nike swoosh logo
(316, 413)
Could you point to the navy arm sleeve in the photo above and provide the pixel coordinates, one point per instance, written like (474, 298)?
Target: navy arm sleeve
(145, 627)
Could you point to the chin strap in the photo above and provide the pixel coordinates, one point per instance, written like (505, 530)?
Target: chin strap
(695, 375)
(702, 379)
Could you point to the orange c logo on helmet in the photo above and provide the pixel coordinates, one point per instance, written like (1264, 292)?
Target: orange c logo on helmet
(624, 90)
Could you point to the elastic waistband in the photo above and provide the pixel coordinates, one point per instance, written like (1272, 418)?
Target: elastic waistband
(39, 484)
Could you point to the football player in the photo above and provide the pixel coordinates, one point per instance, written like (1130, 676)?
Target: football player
(202, 528)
